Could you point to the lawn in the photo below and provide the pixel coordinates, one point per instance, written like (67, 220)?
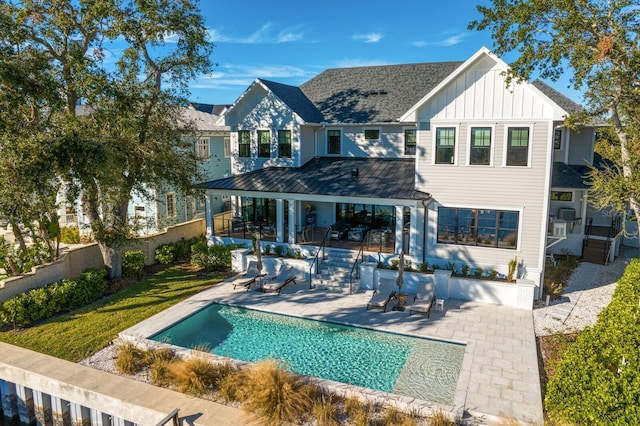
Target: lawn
(81, 333)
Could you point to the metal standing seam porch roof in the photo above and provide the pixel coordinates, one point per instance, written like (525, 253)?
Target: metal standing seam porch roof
(377, 178)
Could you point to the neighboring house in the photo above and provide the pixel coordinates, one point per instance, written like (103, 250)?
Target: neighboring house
(168, 206)
(443, 158)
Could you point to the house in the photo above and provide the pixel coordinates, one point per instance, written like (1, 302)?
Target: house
(165, 205)
(441, 160)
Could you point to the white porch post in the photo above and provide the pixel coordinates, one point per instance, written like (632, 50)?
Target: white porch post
(415, 246)
(207, 215)
(292, 222)
(236, 206)
(399, 227)
(279, 220)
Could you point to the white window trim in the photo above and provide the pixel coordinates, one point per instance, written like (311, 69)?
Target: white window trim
(173, 204)
(257, 133)
(326, 138)
(203, 142)
(277, 137)
(491, 148)
(506, 144)
(456, 142)
(227, 146)
(562, 134)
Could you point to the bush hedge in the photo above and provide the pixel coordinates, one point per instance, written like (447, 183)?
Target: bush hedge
(133, 263)
(41, 303)
(598, 380)
(178, 251)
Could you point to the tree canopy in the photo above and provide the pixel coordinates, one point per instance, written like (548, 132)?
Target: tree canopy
(598, 41)
(109, 80)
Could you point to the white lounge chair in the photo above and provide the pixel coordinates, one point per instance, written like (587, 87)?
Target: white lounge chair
(382, 295)
(423, 301)
(248, 278)
(276, 283)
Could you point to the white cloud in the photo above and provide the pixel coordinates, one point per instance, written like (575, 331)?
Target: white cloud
(451, 40)
(267, 33)
(368, 38)
(350, 63)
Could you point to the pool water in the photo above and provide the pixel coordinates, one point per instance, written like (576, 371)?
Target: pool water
(420, 368)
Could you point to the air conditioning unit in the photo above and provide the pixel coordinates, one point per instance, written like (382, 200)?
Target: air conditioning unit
(567, 213)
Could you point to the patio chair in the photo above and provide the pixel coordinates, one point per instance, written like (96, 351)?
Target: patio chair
(248, 278)
(276, 283)
(423, 301)
(382, 295)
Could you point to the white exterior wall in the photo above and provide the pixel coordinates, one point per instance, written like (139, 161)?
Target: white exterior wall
(305, 139)
(390, 144)
(580, 146)
(260, 110)
(478, 98)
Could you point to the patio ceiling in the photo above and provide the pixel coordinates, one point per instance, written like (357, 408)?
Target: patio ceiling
(376, 178)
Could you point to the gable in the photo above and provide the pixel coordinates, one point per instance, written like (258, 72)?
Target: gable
(479, 92)
(259, 107)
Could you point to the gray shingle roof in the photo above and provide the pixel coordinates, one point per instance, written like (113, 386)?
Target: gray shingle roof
(565, 176)
(296, 100)
(374, 94)
(557, 97)
(377, 178)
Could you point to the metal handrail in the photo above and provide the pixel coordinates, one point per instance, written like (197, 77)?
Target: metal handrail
(315, 258)
(354, 267)
(171, 416)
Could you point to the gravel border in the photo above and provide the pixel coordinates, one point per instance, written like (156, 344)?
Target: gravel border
(587, 292)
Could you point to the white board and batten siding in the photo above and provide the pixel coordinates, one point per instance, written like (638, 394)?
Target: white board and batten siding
(478, 98)
(353, 143)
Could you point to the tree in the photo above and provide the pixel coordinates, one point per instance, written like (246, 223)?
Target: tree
(128, 137)
(599, 41)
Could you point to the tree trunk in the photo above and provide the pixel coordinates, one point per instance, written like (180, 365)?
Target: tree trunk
(17, 232)
(112, 260)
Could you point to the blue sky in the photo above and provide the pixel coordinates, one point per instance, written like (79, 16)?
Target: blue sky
(291, 41)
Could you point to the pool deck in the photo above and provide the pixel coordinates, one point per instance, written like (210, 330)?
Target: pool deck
(499, 379)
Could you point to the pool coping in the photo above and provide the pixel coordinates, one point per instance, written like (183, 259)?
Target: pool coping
(467, 386)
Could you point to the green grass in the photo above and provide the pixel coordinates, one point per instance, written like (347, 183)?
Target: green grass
(81, 333)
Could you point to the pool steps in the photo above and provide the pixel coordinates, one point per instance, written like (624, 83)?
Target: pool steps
(334, 272)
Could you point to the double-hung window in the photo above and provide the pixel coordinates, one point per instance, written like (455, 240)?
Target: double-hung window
(244, 143)
(202, 148)
(284, 143)
(171, 204)
(333, 142)
(445, 145)
(557, 139)
(518, 146)
(264, 143)
(480, 146)
(410, 140)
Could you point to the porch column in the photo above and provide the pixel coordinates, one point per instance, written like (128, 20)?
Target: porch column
(207, 215)
(292, 222)
(415, 232)
(399, 227)
(236, 206)
(279, 220)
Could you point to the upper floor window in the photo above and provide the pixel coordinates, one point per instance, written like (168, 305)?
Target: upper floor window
(334, 142)
(371, 134)
(171, 204)
(244, 143)
(518, 146)
(264, 143)
(410, 140)
(202, 148)
(557, 139)
(478, 227)
(480, 146)
(445, 145)
(284, 143)
(227, 147)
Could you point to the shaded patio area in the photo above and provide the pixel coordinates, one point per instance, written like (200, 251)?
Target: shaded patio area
(499, 374)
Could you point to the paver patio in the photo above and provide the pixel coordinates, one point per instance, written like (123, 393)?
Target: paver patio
(499, 374)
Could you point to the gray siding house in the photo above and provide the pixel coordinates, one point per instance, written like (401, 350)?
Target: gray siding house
(440, 160)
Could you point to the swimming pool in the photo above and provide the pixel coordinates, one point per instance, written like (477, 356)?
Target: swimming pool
(416, 367)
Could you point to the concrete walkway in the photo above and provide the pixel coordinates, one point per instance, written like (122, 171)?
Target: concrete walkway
(499, 377)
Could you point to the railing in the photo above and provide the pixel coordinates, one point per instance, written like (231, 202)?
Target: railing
(172, 416)
(354, 268)
(315, 258)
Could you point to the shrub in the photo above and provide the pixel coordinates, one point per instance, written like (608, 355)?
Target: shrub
(165, 253)
(216, 257)
(597, 382)
(130, 358)
(273, 395)
(133, 263)
(194, 375)
(513, 265)
(70, 235)
(423, 267)
(393, 416)
(478, 272)
(44, 302)
(325, 411)
(278, 250)
(464, 270)
(182, 248)
(439, 418)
